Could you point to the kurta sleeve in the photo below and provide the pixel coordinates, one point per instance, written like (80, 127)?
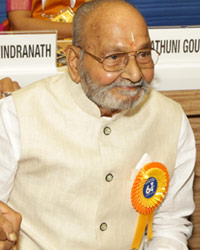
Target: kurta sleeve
(171, 227)
(9, 146)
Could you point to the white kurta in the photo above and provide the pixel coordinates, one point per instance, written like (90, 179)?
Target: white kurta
(110, 154)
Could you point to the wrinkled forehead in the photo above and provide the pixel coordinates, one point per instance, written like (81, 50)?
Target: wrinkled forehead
(116, 26)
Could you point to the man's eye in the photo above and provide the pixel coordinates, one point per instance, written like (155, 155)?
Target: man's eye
(113, 57)
(144, 54)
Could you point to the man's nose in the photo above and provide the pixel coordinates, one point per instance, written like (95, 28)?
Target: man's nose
(132, 71)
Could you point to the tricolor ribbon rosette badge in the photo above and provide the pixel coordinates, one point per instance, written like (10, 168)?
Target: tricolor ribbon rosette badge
(148, 191)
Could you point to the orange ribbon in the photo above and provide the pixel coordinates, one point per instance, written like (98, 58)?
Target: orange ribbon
(148, 191)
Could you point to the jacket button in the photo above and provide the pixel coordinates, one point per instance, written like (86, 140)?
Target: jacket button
(103, 226)
(109, 177)
(107, 130)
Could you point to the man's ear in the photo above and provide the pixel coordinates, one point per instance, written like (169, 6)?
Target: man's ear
(72, 58)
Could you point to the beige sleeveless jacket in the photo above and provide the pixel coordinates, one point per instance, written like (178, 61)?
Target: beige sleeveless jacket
(61, 186)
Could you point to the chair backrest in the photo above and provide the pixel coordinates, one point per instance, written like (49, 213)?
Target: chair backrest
(168, 12)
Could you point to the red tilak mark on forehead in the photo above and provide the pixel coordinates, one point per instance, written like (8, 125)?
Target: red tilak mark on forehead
(132, 44)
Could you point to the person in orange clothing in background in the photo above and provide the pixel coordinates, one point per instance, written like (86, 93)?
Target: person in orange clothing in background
(43, 15)
(38, 15)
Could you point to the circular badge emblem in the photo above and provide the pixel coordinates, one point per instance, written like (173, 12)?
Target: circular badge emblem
(149, 187)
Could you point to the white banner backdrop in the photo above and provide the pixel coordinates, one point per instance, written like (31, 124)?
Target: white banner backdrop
(30, 57)
(27, 57)
(178, 67)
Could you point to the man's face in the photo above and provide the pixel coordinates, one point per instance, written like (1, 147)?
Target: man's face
(117, 32)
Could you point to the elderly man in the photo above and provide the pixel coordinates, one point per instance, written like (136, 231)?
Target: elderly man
(72, 143)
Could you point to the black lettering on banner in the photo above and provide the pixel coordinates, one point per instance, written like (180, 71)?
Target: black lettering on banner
(166, 46)
(197, 45)
(42, 49)
(1, 51)
(37, 51)
(12, 52)
(155, 45)
(162, 46)
(25, 51)
(175, 46)
(185, 46)
(48, 50)
(6, 51)
(31, 50)
(19, 51)
(192, 45)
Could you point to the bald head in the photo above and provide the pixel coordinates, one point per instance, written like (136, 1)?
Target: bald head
(99, 17)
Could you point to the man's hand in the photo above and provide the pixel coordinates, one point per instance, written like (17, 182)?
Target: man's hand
(7, 86)
(10, 222)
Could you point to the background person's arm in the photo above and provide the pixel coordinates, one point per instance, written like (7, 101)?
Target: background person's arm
(22, 20)
(7, 85)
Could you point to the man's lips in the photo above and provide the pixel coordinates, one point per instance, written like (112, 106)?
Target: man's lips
(133, 87)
